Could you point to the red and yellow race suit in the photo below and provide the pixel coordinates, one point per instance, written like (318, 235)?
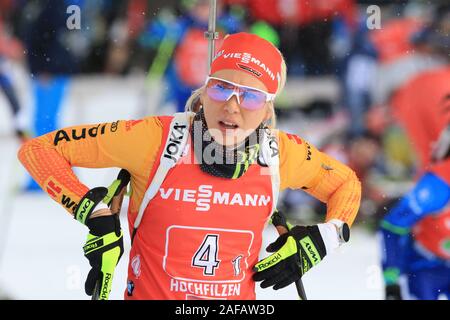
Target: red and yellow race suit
(200, 235)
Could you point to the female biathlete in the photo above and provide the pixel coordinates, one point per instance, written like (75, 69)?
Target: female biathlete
(204, 185)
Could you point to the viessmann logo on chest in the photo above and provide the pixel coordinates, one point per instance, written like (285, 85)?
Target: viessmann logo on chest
(205, 196)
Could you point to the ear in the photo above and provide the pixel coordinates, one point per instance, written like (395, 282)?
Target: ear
(198, 102)
(195, 105)
(269, 111)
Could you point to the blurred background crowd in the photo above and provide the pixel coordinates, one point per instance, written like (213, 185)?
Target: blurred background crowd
(347, 61)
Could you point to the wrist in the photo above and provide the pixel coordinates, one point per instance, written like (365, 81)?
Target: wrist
(88, 203)
(342, 229)
(334, 233)
(100, 210)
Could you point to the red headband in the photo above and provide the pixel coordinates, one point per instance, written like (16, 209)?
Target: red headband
(250, 53)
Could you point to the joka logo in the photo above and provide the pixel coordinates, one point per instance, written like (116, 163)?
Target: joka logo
(75, 134)
(105, 288)
(265, 265)
(176, 135)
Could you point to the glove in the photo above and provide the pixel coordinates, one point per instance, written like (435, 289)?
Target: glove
(103, 249)
(392, 290)
(104, 245)
(295, 252)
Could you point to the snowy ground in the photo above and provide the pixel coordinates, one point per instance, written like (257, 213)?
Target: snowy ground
(41, 246)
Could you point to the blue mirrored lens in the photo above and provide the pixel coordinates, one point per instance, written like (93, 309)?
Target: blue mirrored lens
(218, 92)
(249, 98)
(252, 99)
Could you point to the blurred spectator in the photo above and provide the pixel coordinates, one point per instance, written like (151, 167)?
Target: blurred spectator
(307, 30)
(379, 61)
(423, 67)
(415, 231)
(183, 39)
(50, 62)
(359, 72)
(401, 61)
(400, 57)
(419, 106)
(111, 48)
(10, 49)
(44, 34)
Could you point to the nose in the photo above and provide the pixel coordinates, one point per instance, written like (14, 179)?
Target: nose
(232, 105)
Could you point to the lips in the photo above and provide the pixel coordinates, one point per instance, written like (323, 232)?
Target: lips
(228, 125)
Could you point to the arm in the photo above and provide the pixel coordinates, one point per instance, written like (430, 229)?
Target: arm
(302, 166)
(131, 145)
(429, 195)
(303, 247)
(126, 144)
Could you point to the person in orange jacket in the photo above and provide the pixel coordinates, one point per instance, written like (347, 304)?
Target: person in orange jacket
(204, 186)
(10, 49)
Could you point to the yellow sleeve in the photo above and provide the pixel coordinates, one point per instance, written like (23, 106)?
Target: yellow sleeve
(304, 167)
(132, 145)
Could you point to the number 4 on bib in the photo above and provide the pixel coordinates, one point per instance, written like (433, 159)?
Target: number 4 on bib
(206, 255)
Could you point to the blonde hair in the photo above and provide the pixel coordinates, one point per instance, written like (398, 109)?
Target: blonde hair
(193, 103)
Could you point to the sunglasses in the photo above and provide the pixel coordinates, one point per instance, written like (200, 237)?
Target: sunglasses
(248, 98)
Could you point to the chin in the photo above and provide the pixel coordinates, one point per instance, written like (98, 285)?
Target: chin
(229, 139)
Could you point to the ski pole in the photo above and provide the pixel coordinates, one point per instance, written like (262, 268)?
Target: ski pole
(211, 34)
